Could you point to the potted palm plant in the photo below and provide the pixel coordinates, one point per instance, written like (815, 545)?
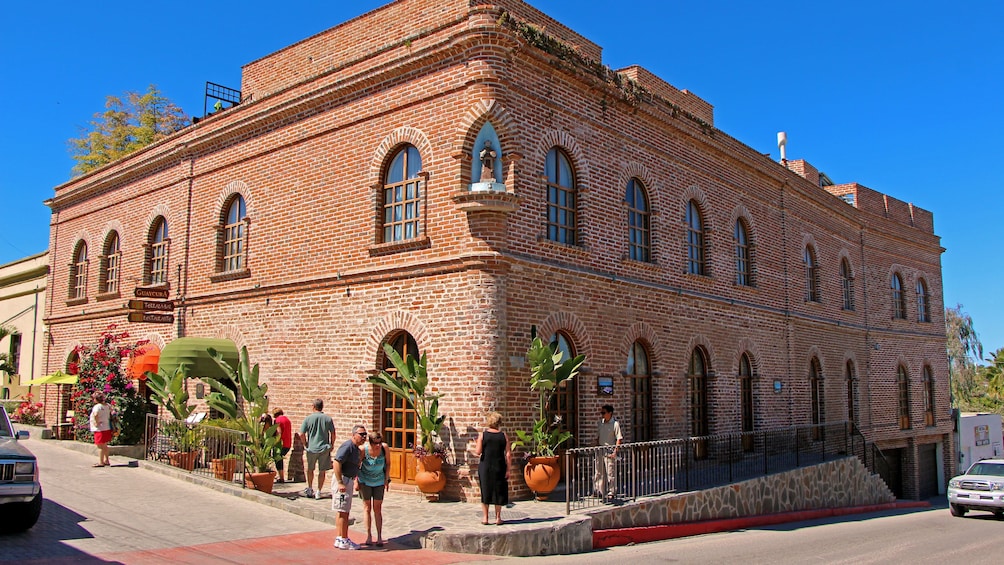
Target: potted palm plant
(260, 442)
(547, 373)
(410, 385)
(184, 439)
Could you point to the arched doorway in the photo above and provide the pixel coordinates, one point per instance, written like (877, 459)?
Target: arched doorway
(397, 419)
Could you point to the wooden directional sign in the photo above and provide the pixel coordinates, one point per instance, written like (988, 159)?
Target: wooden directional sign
(152, 317)
(151, 305)
(156, 293)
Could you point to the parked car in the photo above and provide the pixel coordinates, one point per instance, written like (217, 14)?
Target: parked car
(980, 488)
(20, 491)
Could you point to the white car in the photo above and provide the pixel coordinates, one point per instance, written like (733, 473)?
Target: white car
(981, 488)
(20, 491)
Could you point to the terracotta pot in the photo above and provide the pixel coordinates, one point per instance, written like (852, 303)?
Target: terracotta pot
(183, 459)
(430, 477)
(542, 475)
(261, 481)
(223, 469)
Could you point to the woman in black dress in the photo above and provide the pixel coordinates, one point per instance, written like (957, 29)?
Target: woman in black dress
(493, 472)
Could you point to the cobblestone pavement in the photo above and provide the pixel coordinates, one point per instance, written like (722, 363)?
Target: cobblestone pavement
(139, 512)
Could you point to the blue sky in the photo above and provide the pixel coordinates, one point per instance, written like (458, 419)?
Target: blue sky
(906, 98)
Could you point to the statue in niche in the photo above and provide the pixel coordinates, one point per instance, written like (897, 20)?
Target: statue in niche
(487, 157)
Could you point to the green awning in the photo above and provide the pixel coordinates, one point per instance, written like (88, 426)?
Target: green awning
(192, 353)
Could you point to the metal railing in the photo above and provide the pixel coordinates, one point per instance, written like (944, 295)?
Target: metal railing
(200, 449)
(677, 465)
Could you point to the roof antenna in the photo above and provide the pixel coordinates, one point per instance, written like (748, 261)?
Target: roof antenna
(782, 142)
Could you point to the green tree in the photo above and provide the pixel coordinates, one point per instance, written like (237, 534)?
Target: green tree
(994, 376)
(964, 350)
(127, 123)
(6, 363)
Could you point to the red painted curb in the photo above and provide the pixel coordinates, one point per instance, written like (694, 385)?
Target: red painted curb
(624, 536)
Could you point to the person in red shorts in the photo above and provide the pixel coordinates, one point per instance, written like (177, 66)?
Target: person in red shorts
(101, 425)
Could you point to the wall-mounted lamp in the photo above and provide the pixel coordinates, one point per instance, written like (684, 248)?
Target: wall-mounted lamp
(876, 346)
(778, 385)
(200, 390)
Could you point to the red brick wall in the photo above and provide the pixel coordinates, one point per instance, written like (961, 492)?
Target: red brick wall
(322, 294)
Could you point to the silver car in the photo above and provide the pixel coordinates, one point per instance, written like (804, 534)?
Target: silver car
(20, 491)
(981, 488)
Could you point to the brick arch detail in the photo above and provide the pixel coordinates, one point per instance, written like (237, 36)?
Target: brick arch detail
(704, 343)
(395, 321)
(83, 236)
(565, 141)
(850, 356)
(155, 339)
(750, 348)
(67, 351)
(815, 352)
(112, 226)
(644, 332)
(570, 324)
(402, 135)
(160, 210)
(743, 213)
(474, 119)
(232, 188)
(694, 192)
(808, 240)
(233, 333)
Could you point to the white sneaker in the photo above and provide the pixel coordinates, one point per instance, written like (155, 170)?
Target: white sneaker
(345, 543)
(317, 495)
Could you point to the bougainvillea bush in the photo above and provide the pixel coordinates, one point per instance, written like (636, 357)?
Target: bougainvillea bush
(29, 413)
(100, 367)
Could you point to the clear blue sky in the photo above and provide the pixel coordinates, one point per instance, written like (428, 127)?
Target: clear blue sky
(906, 98)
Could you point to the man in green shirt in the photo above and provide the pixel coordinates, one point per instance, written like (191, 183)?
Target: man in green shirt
(318, 432)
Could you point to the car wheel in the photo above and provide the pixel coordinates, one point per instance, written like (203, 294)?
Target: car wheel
(957, 510)
(21, 516)
(999, 514)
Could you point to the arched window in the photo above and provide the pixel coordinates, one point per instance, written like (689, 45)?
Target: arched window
(903, 385)
(111, 265)
(564, 403)
(744, 267)
(923, 302)
(817, 407)
(235, 235)
(898, 298)
(852, 394)
(811, 274)
(695, 240)
(847, 283)
(402, 196)
(398, 424)
(78, 272)
(639, 232)
(562, 198)
(639, 371)
(746, 401)
(697, 375)
(158, 249)
(928, 397)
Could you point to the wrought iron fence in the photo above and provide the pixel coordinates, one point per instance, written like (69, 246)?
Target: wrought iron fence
(677, 465)
(202, 449)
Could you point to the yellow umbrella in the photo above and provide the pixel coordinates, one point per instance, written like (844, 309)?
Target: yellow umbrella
(57, 378)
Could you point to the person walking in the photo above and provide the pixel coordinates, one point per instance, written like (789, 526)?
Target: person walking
(347, 460)
(285, 441)
(374, 477)
(608, 436)
(101, 425)
(318, 431)
(493, 472)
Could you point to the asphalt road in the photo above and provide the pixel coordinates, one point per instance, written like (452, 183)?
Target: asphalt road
(915, 536)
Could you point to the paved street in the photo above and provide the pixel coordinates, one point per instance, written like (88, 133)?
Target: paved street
(919, 536)
(127, 514)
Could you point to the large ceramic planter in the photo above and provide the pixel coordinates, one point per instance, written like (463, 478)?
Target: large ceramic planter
(224, 469)
(542, 475)
(430, 477)
(261, 481)
(183, 459)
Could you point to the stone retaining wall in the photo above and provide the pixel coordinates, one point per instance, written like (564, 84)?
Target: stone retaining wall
(835, 484)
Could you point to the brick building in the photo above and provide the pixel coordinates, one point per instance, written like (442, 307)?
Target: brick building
(449, 175)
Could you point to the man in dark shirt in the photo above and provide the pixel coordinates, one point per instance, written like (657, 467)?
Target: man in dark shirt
(346, 465)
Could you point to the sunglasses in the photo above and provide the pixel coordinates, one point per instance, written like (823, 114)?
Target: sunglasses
(361, 434)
